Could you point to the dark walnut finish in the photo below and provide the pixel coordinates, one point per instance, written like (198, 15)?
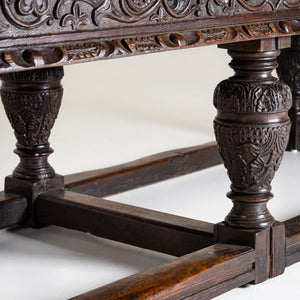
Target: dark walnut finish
(289, 71)
(85, 30)
(32, 100)
(132, 225)
(252, 128)
(183, 277)
(151, 169)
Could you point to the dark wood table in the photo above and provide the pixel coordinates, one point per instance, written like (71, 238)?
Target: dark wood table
(252, 127)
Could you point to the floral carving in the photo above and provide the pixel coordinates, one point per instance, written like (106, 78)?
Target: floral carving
(251, 147)
(252, 131)
(32, 100)
(76, 18)
(32, 112)
(29, 14)
(248, 97)
(252, 154)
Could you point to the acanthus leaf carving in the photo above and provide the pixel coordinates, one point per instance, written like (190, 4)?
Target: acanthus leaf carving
(32, 112)
(248, 97)
(252, 154)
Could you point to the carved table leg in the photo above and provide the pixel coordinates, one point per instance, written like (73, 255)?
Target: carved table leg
(32, 100)
(289, 71)
(252, 129)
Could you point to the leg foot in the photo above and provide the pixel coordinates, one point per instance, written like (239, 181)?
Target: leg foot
(249, 211)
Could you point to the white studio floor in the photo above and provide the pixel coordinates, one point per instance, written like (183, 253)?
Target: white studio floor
(117, 111)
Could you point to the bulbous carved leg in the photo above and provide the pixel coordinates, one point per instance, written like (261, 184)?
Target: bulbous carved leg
(32, 100)
(289, 71)
(252, 129)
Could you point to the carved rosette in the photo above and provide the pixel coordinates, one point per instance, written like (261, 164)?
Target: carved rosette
(32, 100)
(252, 129)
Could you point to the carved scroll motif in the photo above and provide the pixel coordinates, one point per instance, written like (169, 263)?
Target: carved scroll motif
(132, 11)
(27, 14)
(77, 14)
(128, 11)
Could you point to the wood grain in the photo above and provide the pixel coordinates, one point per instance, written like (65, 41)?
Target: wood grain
(292, 229)
(124, 223)
(199, 275)
(148, 170)
(13, 209)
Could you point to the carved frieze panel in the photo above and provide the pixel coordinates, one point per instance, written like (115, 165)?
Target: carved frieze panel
(40, 17)
(23, 58)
